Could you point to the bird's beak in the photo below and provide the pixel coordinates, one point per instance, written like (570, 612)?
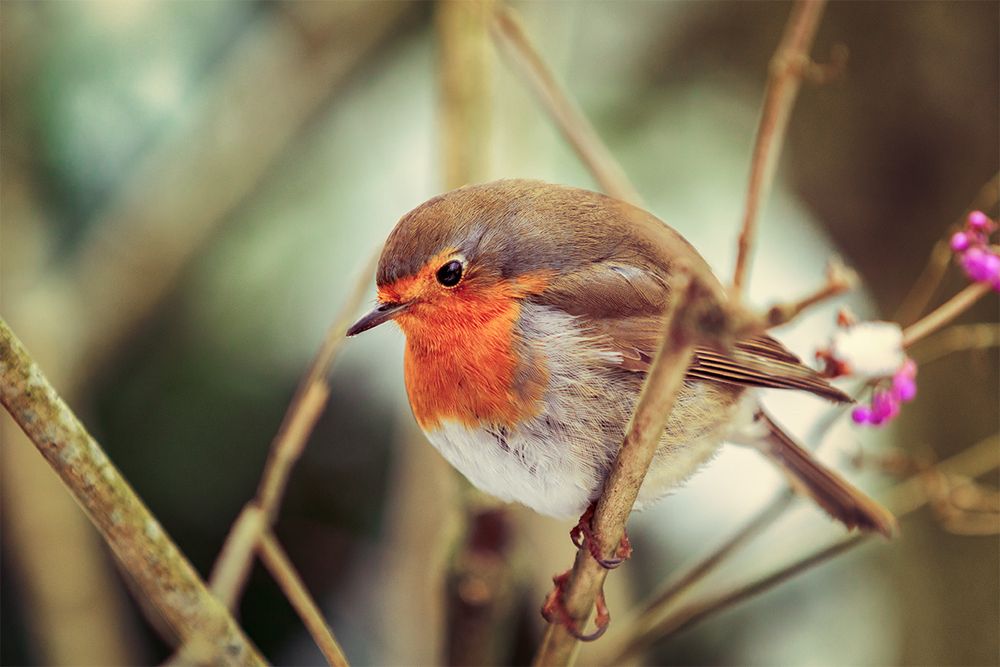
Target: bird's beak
(384, 313)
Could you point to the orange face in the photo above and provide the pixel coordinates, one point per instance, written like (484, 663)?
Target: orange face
(462, 361)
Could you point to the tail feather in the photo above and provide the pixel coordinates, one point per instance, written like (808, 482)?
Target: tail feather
(841, 500)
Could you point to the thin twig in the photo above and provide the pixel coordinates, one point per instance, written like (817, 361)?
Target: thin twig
(788, 66)
(573, 124)
(945, 313)
(839, 279)
(904, 498)
(278, 564)
(231, 569)
(157, 566)
(937, 264)
(707, 564)
(621, 488)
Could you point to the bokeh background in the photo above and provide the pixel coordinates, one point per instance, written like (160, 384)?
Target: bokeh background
(189, 189)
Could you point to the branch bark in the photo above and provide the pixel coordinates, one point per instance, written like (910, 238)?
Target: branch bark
(158, 567)
(789, 64)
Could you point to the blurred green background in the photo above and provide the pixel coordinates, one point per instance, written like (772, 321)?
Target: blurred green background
(189, 189)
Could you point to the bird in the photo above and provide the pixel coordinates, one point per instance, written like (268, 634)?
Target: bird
(532, 313)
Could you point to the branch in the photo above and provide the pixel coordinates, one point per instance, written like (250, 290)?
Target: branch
(155, 563)
(839, 279)
(278, 564)
(575, 127)
(788, 66)
(621, 488)
(904, 498)
(945, 313)
(233, 565)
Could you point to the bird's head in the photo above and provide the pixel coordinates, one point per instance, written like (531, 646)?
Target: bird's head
(467, 255)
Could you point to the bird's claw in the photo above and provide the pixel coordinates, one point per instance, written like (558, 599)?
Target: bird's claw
(583, 534)
(554, 611)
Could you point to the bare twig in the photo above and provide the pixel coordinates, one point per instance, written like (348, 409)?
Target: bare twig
(788, 66)
(278, 564)
(573, 124)
(937, 264)
(233, 565)
(904, 498)
(621, 488)
(839, 279)
(945, 313)
(157, 566)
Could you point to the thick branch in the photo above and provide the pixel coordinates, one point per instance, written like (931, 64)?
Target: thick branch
(575, 127)
(788, 66)
(157, 566)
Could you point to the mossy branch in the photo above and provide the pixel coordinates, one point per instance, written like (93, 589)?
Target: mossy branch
(155, 563)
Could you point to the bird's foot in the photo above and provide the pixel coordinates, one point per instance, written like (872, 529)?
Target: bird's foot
(583, 534)
(554, 610)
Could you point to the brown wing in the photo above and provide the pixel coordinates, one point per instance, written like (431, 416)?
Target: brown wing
(622, 304)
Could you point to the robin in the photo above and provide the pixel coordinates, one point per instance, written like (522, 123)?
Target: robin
(532, 313)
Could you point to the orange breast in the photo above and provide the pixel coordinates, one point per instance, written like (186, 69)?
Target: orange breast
(463, 363)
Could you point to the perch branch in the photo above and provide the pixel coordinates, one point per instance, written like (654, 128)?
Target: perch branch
(788, 66)
(157, 566)
(233, 565)
(904, 498)
(573, 124)
(280, 566)
(629, 469)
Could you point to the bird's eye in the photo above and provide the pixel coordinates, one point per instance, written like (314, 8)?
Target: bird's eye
(450, 273)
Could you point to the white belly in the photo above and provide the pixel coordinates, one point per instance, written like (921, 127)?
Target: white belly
(516, 469)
